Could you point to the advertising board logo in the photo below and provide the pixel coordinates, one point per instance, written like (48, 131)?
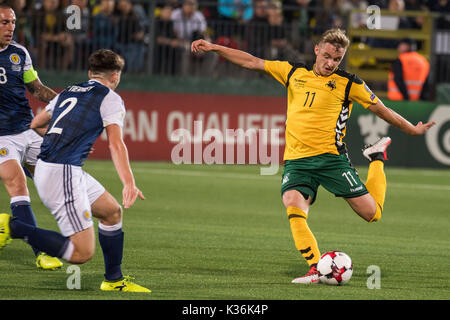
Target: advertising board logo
(438, 137)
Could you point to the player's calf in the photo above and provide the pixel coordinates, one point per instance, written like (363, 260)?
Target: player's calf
(365, 206)
(13, 177)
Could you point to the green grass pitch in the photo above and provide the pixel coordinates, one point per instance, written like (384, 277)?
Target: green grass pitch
(221, 233)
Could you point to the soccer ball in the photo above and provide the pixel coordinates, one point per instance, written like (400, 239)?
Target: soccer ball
(335, 268)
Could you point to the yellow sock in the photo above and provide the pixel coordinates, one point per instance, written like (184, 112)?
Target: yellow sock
(304, 240)
(376, 185)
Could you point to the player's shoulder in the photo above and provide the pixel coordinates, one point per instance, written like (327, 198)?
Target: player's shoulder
(113, 98)
(300, 65)
(18, 47)
(287, 66)
(350, 76)
(114, 95)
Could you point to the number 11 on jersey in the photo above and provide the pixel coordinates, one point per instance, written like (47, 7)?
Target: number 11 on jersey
(313, 95)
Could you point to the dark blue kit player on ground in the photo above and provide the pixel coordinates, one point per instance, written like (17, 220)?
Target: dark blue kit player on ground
(70, 124)
(19, 145)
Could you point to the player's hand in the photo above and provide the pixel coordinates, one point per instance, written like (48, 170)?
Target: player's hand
(200, 46)
(129, 196)
(420, 128)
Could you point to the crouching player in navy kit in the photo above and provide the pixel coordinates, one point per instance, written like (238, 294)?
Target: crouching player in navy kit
(19, 145)
(73, 120)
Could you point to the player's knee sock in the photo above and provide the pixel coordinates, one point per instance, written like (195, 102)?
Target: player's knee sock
(305, 242)
(21, 209)
(376, 185)
(111, 241)
(50, 242)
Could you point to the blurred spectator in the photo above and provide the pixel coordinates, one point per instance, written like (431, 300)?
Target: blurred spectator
(81, 36)
(408, 79)
(415, 5)
(130, 36)
(358, 19)
(173, 3)
(327, 17)
(232, 14)
(168, 52)
(23, 33)
(235, 9)
(141, 13)
(257, 35)
(54, 42)
(277, 31)
(189, 23)
(298, 15)
(401, 22)
(304, 17)
(442, 6)
(105, 29)
(391, 22)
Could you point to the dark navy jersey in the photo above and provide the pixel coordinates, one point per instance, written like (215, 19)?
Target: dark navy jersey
(79, 114)
(16, 69)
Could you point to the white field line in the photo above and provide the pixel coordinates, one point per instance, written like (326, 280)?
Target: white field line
(256, 176)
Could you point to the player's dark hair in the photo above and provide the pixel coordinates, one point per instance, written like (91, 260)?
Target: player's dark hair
(105, 61)
(5, 5)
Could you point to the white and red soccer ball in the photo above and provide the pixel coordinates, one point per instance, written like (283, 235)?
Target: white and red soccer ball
(335, 268)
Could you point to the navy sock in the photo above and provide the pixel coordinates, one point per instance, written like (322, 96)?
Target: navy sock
(22, 211)
(112, 247)
(51, 242)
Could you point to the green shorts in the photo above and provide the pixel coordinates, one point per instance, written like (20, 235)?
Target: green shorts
(334, 172)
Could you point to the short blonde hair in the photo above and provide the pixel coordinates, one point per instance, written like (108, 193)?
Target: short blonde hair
(335, 37)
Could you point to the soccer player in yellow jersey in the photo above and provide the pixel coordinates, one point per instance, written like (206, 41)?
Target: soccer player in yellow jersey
(320, 99)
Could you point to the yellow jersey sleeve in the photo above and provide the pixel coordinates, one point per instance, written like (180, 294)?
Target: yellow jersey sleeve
(360, 92)
(279, 70)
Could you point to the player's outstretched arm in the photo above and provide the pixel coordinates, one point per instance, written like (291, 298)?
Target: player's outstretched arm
(238, 57)
(393, 118)
(40, 122)
(40, 92)
(119, 155)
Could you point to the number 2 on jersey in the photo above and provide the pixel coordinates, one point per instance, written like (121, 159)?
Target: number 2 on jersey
(72, 102)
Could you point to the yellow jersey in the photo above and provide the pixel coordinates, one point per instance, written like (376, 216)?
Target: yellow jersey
(318, 107)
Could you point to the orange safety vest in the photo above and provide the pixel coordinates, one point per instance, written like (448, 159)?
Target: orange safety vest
(415, 72)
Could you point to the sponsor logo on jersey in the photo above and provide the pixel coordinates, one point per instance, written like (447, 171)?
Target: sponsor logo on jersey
(285, 179)
(298, 83)
(356, 189)
(14, 58)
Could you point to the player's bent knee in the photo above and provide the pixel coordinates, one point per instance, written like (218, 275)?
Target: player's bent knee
(115, 216)
(293, 198)
(82, 255)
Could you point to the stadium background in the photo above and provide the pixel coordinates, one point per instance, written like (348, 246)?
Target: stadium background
(224, 235)
(162, 72)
